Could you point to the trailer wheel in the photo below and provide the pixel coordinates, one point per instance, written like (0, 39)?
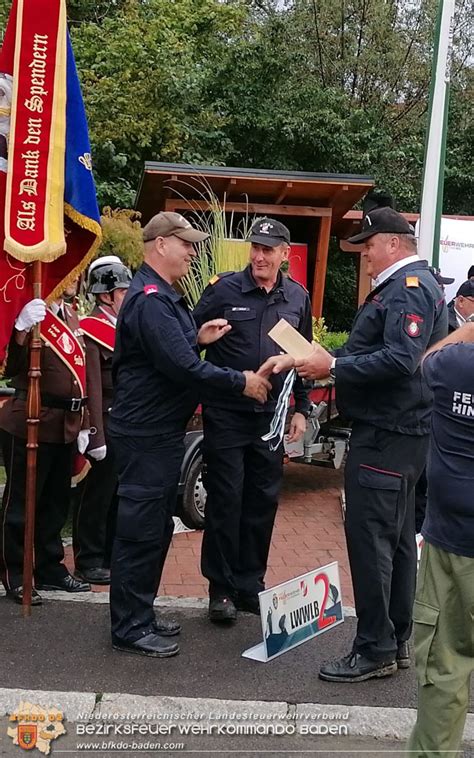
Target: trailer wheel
(194, 497)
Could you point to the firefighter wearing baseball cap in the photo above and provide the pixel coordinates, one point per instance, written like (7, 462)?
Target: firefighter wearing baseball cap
(95, 497)
(380, 387)
(242, 475)
(158, 378)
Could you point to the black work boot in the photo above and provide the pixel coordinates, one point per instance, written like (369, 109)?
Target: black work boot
(153, 645)
(248, 603)
(403, 655)
(222, 609)
(356, 668)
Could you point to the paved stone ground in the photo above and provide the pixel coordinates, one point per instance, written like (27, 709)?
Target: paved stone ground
(308, 533)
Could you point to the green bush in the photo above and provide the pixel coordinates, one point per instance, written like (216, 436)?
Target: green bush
(328, 340)
(333, 340)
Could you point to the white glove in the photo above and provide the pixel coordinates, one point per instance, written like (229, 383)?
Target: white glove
(31, 313)
(83, 440)
(99, 453)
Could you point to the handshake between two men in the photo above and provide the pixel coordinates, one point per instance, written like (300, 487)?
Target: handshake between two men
(316, 365)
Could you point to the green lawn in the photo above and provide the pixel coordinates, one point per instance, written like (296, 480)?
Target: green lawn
(2, 475)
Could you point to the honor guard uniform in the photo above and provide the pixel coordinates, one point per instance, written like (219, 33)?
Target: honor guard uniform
(242, 475)
(158, 378)
(63, 398)
(380, 387)
(95, 497)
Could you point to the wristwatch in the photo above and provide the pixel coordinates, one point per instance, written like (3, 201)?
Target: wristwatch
(332, 370)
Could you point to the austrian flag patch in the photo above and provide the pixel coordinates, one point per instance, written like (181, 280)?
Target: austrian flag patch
(413, 324)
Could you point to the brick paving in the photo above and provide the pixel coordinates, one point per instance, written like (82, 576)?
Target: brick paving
(308, 533)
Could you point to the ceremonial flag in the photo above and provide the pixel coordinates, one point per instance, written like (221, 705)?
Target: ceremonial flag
(48, 205)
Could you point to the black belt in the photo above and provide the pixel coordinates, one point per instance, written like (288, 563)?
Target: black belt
(73, 404)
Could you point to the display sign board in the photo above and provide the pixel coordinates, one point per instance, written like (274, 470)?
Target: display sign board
(456, 251)
(298, 610)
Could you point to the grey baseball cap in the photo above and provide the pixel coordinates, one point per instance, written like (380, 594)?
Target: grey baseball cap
(168, 224)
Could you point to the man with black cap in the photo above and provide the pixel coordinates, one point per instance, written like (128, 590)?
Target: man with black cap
(380, 387)
(158, 379)
(462, 306)
(242, 475)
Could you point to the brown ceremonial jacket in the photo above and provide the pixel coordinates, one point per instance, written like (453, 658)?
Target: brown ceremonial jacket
(56, 425)
(99, 386)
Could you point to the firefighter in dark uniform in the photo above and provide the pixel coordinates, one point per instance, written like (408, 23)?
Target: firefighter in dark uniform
(242, 475)
(461, 307)
(158, 378)
(61, 421)
(95, 497)
(380, 387)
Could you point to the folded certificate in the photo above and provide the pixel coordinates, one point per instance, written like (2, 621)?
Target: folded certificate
(291, 341)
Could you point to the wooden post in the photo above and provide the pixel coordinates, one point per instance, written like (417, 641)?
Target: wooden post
(33, 405)
(321, 265)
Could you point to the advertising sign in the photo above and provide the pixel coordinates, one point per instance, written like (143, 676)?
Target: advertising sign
(456, 251)
(298, 610)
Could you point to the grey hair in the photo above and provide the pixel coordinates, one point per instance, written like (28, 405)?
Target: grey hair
(408, 241)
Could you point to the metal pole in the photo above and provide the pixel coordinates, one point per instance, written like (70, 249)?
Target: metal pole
(433, 175)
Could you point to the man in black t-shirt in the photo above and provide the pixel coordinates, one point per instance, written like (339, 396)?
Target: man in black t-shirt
(444, 605)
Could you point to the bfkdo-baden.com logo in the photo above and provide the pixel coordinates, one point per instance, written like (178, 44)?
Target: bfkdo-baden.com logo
(31, 726)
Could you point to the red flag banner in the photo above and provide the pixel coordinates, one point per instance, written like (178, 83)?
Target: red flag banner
(34, 227)
(48, 207)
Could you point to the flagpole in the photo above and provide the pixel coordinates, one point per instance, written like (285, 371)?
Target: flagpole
(433, 175)
(34, 225)
(33, 408)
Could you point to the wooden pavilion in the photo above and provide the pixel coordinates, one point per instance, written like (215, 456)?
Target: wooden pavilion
(312, 205)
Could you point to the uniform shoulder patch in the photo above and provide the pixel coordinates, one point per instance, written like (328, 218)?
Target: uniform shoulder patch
(217, 277)
(150, 289)
(412, 281)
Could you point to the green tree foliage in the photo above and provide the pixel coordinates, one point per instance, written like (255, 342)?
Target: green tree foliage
(315, 85)
(142, 68)
(122, 236)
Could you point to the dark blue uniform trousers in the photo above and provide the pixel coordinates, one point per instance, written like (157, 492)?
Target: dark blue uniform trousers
(381, 472)
(243, 479)
(148, 471)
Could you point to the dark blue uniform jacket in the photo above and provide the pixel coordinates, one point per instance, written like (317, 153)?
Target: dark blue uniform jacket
(378, 377)
(157, 372)
(252, 312)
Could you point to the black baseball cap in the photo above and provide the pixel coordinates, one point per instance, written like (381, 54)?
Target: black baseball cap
(443, 280)
(270, 232)
(382, 221)
(466, 289)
